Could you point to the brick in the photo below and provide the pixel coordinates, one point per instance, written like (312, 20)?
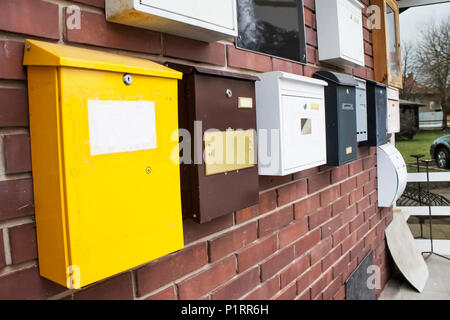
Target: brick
(339, 235)
(319, 217)
(275, 221)
(118, 288)
(286, 194)
(340, 205)
(30, 17)
(11, 60)
(266, 290)
(308, 71)
(349, 214)
(169, 268)
(287, 293)
(193, 231)
(349, 242)
(348, 186)
(27, 284)
(310, 4)
(308, 278)
(363, 204)
(287, 66)
(305, 207)
(13, 106)
(166, 294)
(359, 72)
(362, 179)
(95, 30)
(320, 285)
(246, 214)
(332, 289)
(331, 226)
(341, 266)
(370, 187)
(311, 37)
(355, 167)
(373, 175)
(319, 181)
(23, 243)
(232, 241)
(267, 182)
(16, 148)
(293, 232)
(2, 250)
(339, 173)
(320, 250)
(294, 270)
(310, 18)
(340, 295)
(95, 3)
(356, 195)
(305, 296)
(267, 201)
(248, 60)
(362, 230)
(250, 256)
(277, 262)
(16, 197)
(356, 223)
(199, 51)
(357, 249)
(238, 286)
(370, 238)
(331, 258)
(329, 195)
(311, 54)
(207, 280)
(306, 173)
(307, 242)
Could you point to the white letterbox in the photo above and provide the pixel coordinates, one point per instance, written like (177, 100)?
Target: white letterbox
(361, 110)
(393, 113)
(392, 175)
(203, 20)
(340, 32)
(290, 114)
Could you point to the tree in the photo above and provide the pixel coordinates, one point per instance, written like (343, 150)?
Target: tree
(432, 58)
(409, 71)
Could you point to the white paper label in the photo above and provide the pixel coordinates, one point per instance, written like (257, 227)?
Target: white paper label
(121, 126)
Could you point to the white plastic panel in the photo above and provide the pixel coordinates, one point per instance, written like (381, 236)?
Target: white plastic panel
(361, 111)
(392, 175)
(291, 110)
(393, 111)
(203, 20)
(340, 32)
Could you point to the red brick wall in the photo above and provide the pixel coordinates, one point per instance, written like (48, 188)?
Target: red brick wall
(309, 231)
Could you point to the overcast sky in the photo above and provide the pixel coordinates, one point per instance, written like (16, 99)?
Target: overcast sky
(414, 19)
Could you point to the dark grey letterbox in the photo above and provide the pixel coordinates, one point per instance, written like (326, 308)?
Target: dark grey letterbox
(340, 113)
(376, 113)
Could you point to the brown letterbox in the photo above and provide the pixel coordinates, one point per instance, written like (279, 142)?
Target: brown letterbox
(218, 110)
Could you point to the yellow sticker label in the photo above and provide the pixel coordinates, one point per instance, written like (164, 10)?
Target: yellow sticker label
(245, 103)
(356, 20)
(348, 150)
(315, 106)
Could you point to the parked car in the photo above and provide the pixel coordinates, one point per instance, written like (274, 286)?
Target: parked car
(440, 151)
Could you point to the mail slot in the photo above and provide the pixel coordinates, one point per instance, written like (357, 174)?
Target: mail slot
(340, 111)
(217, 108)
(376, 114)
(361, 110)
(393, 112)
(107, 195)
(391, 175)
(291, 123)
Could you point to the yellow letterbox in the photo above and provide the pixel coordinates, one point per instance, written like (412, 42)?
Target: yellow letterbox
(106, 184)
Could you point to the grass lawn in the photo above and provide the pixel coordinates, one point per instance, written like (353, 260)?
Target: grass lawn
(420, 144)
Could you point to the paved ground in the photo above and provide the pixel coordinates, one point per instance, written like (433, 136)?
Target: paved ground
(437, 287)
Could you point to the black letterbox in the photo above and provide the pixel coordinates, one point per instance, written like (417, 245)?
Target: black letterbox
(340, 113)
(376, 114)
(224, 102)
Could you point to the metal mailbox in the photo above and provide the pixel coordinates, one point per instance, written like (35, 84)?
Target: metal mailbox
(203, 20)
(218, 110)
(376, 113)
(391, 175)
(107, 194)
(361, 110)
(393, 110)
(340, 32)
(291, 123)
(340, 111)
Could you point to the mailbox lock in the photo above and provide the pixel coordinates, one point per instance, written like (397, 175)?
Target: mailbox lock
(148, 170)
(229, 93)
(127, 79)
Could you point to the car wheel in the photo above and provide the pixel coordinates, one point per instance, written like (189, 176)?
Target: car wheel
(443, 158)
